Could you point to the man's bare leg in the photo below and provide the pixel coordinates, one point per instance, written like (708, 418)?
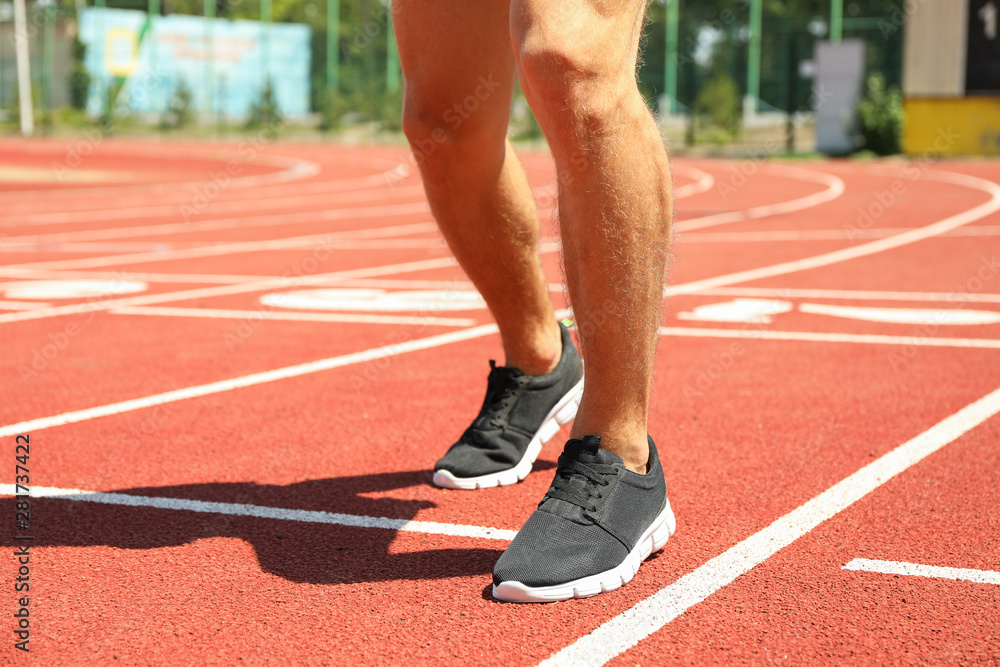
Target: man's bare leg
(576, 60)
(459, 69)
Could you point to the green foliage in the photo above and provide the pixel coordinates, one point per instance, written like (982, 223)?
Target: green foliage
(179, 113)
(333, 110)
(718, 104)
(880, 117)
(79, 77)
(265, 112)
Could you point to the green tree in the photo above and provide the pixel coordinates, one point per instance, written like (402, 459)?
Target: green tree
(880, 117)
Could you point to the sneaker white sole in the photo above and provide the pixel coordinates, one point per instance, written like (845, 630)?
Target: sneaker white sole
(560, 415)
(652, 540)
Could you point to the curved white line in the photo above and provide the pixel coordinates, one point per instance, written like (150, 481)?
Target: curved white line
(870, 248)
(290, 169)
(328, 197)
(327, 240)
(703, 183)
(834, 189)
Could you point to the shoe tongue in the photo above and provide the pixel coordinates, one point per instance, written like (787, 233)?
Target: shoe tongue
(587, 450)
(504, 371)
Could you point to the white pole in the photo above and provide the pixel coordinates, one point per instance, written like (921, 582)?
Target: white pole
(23, 68)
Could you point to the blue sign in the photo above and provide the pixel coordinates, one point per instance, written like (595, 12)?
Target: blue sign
(225, 64)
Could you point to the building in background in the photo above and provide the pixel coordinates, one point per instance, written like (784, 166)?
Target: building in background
(951, 78)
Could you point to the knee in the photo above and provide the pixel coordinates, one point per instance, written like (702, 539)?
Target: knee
(423, 131)
(571, 84)
(469, 125)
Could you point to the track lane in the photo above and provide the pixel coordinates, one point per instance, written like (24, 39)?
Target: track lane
(461, 584)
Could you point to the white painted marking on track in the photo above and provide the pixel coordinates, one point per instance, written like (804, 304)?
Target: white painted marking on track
(824, 337)
(834, 189)
(796, 235)
(865, 249)
(70, 289)
(917, 570)
(826, 259)
(23, 305)
(254, 379)
(328, 242)
(916, 316)
(282, 282)
(375, 300)
(624, 631)
(858, 295)
(751, 311)
(255, 204)
(247, 380)
(261, 315)
(703, 183)
(262, 512)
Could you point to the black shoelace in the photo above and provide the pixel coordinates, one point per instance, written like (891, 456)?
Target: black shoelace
(502, 391)
(564, 487)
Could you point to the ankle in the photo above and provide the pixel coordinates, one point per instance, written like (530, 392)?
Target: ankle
(632, 448)
(541, 358)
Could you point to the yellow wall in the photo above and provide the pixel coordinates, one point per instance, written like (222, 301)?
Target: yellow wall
(952, 126)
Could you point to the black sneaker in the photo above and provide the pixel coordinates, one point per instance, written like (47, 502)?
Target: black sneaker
(519, 413)
(592, 530)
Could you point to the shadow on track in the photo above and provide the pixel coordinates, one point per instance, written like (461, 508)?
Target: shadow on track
(298, 551)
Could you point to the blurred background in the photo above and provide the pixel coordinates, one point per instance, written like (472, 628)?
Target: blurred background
(836, 77)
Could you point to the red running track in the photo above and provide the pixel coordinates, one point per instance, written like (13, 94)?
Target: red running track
(219, 480)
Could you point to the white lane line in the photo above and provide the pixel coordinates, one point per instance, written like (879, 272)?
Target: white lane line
(629, 628)
(834, 189)
(820, 234)
(254, 379)
(226, 290)
(331, 241)
(917, 570)
(872, 247)
(22, 305)
(825, 259)
(262, 512)
(186, 278)
(294, 169)
(220, 224)
(196, 225)
(855, 295)
(247, 380)
(914, 316)
(819, 337)
(222, 248)
(326, 193)
(271, 314)
(323, 199)
(703, 183)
